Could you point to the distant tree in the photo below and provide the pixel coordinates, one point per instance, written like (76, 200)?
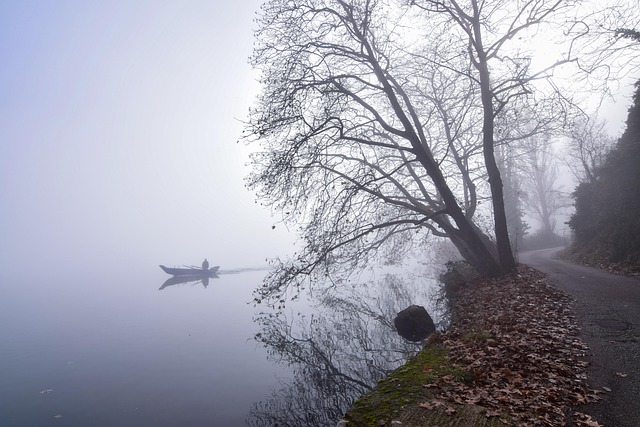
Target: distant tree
(510, 163)
(587, 148)
(543, 197)
(379, 120)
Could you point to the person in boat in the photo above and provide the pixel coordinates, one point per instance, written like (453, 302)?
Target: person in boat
(205, 264)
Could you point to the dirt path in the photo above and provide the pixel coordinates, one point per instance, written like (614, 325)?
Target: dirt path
(608, 310)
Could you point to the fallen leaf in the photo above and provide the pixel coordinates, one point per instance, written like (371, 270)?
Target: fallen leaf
(427, 405)
(585, 420)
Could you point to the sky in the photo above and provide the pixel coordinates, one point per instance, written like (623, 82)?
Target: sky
(119, 124)
(119, 128)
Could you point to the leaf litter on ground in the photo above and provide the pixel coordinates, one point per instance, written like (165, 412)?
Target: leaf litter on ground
(517, 341)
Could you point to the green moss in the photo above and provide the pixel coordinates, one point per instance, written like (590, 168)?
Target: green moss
(404, 387)
(398, 397)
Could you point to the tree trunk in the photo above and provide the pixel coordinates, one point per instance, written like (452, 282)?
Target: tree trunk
(505, 253)
(473, 245)
(469, 239)
(472, 254)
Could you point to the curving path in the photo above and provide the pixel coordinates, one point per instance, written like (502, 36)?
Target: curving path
(608, 311)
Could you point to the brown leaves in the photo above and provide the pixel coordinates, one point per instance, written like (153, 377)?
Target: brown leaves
(491, 413)
(517, 340)
(585, 420)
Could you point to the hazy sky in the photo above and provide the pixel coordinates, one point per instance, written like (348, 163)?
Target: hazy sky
(118, 130)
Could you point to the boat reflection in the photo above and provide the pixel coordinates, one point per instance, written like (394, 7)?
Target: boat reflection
(178, 280)
(194, 275)
(340, 351)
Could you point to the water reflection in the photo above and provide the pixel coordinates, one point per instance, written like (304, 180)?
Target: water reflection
(194, 275)
(339, 351)
(177, 280)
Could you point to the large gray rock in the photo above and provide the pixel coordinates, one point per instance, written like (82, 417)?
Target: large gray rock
(414, 323)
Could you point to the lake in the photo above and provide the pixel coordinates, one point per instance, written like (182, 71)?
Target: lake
(111, 349)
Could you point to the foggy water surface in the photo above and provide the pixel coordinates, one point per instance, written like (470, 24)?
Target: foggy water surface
(110, 348)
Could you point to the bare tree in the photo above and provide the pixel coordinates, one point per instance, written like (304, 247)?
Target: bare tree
(510, 163)
(378, 121)
(588, 145)
(543, 197)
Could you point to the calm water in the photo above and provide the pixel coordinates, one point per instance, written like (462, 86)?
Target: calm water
(111, 349)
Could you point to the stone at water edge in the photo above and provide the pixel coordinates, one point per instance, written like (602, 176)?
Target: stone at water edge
(414, 323)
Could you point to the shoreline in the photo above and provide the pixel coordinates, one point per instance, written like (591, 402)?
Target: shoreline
(512, 356)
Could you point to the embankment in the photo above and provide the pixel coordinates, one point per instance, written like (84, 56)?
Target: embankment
(511, 357)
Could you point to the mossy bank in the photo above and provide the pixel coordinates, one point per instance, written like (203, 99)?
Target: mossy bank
(403, 399)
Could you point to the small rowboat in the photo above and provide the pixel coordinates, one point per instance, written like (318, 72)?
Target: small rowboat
(190, 271)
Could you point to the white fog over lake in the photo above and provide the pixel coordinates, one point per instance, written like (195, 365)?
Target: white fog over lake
(118, 152)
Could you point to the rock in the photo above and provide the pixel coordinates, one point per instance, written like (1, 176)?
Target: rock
(414, 323)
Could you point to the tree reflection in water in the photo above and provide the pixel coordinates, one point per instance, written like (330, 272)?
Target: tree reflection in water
(340, 351)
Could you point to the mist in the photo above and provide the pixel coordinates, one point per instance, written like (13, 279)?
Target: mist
(119, 128)
(118, 137)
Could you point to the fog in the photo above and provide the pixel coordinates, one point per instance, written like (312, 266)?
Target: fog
(119, 124)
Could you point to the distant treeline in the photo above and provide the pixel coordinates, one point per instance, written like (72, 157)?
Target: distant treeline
(606, 223)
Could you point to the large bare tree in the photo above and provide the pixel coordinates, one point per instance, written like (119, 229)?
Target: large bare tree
(378, 121)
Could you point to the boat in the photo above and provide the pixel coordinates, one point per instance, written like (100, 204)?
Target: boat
(191, 271)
